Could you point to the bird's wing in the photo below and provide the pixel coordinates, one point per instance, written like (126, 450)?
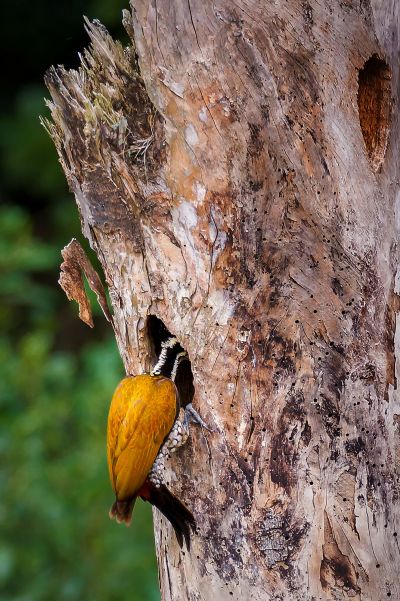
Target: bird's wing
(142, 413)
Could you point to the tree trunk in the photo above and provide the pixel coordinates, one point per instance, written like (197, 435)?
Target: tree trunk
(236, 172)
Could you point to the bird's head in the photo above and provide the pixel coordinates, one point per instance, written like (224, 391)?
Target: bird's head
(171, 356)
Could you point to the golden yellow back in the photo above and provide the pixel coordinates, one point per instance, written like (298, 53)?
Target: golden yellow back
(142, 413)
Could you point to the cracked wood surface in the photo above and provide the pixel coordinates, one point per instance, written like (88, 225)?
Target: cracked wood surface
(222, 177)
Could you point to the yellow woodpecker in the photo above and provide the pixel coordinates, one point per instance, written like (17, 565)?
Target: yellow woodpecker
(144, 427)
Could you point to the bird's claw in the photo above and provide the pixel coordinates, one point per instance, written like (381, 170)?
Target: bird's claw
(191, 415)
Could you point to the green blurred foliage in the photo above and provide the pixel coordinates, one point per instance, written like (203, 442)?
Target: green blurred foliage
(57, 378)
(25, 150)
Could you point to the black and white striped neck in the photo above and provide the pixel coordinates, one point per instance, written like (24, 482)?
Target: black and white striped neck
(170, 357)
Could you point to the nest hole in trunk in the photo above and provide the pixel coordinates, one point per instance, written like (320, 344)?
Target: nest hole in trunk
(374, 107)
(157, 333)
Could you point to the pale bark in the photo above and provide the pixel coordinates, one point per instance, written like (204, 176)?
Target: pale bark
(228, 190)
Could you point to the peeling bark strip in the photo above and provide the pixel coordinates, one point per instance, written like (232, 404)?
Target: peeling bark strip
(71, 281)
(236, 171)
(337, 572)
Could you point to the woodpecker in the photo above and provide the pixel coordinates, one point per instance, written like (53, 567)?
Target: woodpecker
(145, 424)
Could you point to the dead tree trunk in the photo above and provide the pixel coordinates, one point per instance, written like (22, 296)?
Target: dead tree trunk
(236, 172)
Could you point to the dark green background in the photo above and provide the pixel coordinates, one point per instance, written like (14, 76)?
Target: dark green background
(56, 375)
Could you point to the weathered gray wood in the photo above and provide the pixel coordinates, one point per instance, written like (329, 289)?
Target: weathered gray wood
(228, 190)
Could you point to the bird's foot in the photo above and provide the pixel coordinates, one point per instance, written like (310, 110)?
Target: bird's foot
(191, 415)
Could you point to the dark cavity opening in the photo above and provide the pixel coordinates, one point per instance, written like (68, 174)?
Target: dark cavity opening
(158, 333)
(374, 107)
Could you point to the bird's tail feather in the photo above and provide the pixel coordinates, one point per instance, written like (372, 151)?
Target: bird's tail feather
(121, 511)
(180, 517)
